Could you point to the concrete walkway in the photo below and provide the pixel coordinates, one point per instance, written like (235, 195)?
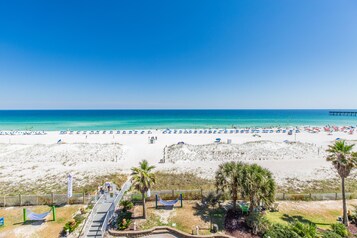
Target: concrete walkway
(161, 236)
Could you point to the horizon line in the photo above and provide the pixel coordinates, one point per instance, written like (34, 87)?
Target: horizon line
(165, 109)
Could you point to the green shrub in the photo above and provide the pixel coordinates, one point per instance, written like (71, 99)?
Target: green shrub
(258, 223)
(74, 223)
(124, 224)
(124, 215)
(331, 234)
(232, 218)
(306, 230)
(280, 231)
(127, 205)
(352, 216)
(340, 229)
(70, 226)
(124, 220)
(79, 218)
(136, 197)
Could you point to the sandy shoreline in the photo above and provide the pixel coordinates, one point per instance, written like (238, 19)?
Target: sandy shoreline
(38, 158)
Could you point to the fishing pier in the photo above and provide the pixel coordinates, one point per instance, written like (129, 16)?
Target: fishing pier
(342, 113)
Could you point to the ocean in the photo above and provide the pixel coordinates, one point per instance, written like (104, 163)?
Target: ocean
(51, 120)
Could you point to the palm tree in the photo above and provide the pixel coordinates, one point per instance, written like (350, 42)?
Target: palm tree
(258, 186)
(127, 205)
(228, 179)
(211, 202)
(344, 160)
(143, 179)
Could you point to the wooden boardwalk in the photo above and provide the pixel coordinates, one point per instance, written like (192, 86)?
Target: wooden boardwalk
(103, 211)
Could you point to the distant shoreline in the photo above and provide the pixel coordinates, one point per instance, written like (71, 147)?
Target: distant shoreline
(202, 130)
(59, 120)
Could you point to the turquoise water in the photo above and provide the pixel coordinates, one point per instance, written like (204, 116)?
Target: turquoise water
(152, 119)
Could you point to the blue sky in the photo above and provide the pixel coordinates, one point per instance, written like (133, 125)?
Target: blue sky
(178, 54)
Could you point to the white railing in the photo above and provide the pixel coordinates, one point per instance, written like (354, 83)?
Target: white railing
(108, 216)
(89, 219)
(110, 213)
(125, 188)
(116, 202)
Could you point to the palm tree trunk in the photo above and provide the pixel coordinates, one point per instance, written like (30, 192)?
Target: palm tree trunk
(144, 205)
(251, 205)
(345, 218)
(234, 200)
(234, 197)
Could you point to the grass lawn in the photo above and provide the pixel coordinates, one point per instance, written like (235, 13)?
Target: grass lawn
(322, 213)
(14, 226)
(184, 219)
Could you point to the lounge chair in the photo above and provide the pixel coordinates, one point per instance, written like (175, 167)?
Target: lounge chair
(244, 208)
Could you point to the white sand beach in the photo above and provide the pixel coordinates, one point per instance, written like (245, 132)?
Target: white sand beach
(38, 159)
